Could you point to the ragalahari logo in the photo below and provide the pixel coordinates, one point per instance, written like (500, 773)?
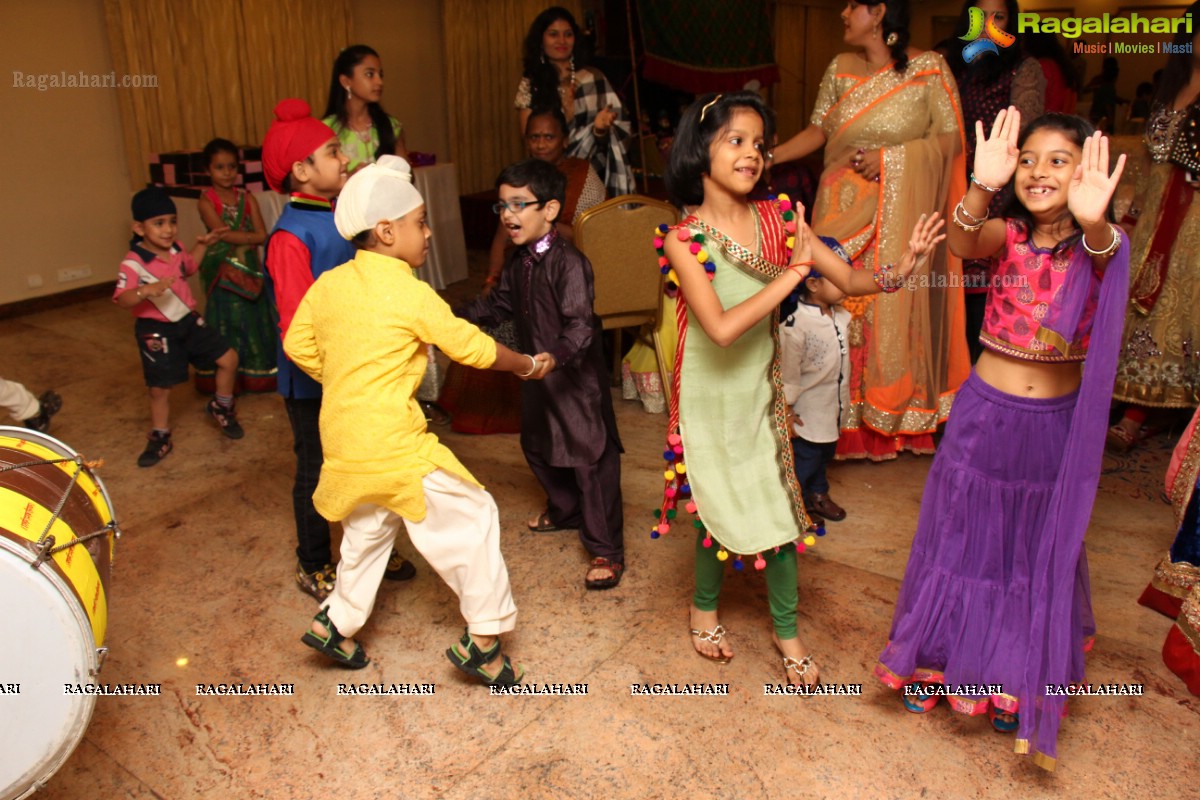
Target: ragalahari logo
(983, 35)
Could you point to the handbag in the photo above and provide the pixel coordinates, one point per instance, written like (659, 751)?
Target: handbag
(238, 278)
(1185, 150)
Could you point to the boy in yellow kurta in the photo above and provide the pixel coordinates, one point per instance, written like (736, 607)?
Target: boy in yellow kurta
(361, 331)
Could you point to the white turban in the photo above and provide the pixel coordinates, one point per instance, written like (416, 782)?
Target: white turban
(376, 193)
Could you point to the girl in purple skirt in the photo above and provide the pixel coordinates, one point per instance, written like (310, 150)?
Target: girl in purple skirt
(995, 609)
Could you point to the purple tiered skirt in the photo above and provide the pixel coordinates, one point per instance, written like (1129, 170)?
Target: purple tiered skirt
(966, 610)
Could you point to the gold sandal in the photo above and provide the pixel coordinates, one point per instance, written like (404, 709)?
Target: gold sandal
(800, 668)
(713, 636)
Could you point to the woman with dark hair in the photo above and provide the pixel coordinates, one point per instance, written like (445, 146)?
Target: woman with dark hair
(555, 74)
(1062, 81)
(353, 112)
(987, 84)
(888, 117)
(1160, 359)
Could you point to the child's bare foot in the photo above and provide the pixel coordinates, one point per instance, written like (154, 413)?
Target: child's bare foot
(708, 636)
(798, 666)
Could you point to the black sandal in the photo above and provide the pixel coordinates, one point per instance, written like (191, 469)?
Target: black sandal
(475, 659)
(544, 524)
(611, 581)
(329, 644)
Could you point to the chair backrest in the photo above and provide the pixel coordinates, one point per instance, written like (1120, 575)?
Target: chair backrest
(617, 237)
(270, 205)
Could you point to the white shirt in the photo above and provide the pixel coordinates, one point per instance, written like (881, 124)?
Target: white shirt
(816, 369)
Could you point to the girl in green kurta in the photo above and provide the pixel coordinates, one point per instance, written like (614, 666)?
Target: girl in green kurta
(729, 460)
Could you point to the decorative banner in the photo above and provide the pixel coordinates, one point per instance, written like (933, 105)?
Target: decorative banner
(707, 45)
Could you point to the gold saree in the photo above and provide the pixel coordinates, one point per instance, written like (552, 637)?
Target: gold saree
(908, 349)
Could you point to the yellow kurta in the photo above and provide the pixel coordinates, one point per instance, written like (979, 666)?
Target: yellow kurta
(361, 332)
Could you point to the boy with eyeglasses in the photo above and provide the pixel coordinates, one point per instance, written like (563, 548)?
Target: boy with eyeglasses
(568, 430)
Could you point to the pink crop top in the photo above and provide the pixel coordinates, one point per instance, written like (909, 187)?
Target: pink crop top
(1027, 281)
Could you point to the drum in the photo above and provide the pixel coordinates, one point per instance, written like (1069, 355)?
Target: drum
(57, 538)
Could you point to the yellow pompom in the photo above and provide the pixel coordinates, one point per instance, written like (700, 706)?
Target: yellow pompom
(669, 475)
(681, 468)
(702, 256)
(810, 540)
(722, 555)
(672, 277)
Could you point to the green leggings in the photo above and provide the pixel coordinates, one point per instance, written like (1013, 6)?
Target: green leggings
(781, 584)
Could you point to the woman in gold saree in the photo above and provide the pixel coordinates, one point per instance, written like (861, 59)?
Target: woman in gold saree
(889, 119)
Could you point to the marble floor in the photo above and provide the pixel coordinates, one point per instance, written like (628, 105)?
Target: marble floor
(202, 592)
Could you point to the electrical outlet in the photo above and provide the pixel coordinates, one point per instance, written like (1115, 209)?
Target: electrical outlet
(74, 273)
(33, 281)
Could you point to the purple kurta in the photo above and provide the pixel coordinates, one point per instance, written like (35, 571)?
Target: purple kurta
(567, 418)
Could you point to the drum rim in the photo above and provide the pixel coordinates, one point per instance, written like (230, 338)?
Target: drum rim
(48, 441)
(42, 771)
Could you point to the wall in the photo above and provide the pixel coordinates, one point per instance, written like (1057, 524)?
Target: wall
(66, 181)
(407, 34)
(66, 186)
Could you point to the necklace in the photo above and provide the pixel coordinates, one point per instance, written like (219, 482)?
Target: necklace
(871, 66)
(566, 83)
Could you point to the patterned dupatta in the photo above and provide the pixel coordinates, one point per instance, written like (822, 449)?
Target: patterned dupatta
(775, 228)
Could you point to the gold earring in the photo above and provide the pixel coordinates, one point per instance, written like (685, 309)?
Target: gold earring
(891, 39)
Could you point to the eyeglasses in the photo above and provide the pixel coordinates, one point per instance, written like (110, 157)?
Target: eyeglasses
(516, 206)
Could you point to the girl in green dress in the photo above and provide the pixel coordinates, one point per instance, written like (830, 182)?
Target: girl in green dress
(728, 454)
(232, 277)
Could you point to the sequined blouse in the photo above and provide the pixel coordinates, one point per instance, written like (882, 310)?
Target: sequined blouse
(1161, 130)
(1026, 283)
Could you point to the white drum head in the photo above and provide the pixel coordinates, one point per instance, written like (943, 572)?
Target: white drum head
(48, 644)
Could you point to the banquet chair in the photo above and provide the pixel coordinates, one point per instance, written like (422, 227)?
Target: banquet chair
(617, 237)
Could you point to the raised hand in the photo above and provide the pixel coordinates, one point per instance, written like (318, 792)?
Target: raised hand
(996, 155)
(927, 234)
(802, 249)
(1091, 188)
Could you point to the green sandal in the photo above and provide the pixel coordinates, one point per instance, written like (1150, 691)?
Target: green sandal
(329, 644)
(475, 659)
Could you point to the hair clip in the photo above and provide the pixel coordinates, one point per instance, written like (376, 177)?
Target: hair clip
(709, 105)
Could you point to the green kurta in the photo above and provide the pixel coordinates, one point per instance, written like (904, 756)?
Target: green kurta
(732, 412)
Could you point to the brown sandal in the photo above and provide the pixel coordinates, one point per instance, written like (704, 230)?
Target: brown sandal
(1119, 440)
(823, 505)
(604, 583)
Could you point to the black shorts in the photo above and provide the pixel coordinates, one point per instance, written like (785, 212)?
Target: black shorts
(168, 347)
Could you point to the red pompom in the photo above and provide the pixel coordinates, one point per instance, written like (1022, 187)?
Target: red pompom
(292, 108)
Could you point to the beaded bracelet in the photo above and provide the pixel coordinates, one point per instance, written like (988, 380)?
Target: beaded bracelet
(971, 227)
(984, 186)
(1108, 251)
(883, 276)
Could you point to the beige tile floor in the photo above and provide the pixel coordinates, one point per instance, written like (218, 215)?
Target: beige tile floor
(204, 573)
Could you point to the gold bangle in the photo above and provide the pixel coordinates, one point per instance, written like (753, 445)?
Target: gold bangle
(1108, 251)
(969, 228)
